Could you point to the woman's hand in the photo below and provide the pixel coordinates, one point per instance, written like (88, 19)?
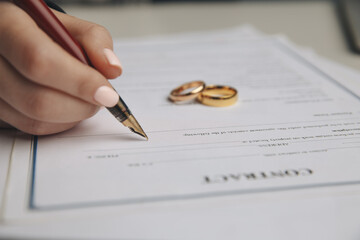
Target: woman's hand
(43, 89)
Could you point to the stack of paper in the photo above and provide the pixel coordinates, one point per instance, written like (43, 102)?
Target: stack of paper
(281, 162)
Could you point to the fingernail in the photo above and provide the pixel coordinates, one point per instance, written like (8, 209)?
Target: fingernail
(106, 96)
(112, 59)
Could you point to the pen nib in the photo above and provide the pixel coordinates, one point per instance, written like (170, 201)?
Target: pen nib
(134, 126)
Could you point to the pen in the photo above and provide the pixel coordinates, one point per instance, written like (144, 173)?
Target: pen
(51, 25)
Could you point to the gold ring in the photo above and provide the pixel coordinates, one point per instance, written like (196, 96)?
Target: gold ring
(218, 96)
(181, 93)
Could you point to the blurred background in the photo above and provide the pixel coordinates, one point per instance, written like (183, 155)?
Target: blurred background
(158, 1)
(330, 27)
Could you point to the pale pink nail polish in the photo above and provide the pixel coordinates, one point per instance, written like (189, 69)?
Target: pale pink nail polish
(106, 96)
(112, 59)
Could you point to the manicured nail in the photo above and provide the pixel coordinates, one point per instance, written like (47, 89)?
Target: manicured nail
(112, 59)
(106, 96)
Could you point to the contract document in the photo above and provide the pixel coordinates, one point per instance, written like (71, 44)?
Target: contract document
(293, 127)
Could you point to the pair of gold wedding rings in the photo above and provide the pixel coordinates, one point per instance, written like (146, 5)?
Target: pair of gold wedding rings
(211, 95)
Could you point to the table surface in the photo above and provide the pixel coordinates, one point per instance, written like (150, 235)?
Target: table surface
(313, 24)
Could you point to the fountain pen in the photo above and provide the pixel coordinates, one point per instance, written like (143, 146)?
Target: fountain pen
(51, 25)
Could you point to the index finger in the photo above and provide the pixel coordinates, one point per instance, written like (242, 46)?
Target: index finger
(41, 60)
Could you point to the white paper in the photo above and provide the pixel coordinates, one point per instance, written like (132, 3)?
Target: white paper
(6, 142)
(172, 166)
(289, 129)
(303, 214)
